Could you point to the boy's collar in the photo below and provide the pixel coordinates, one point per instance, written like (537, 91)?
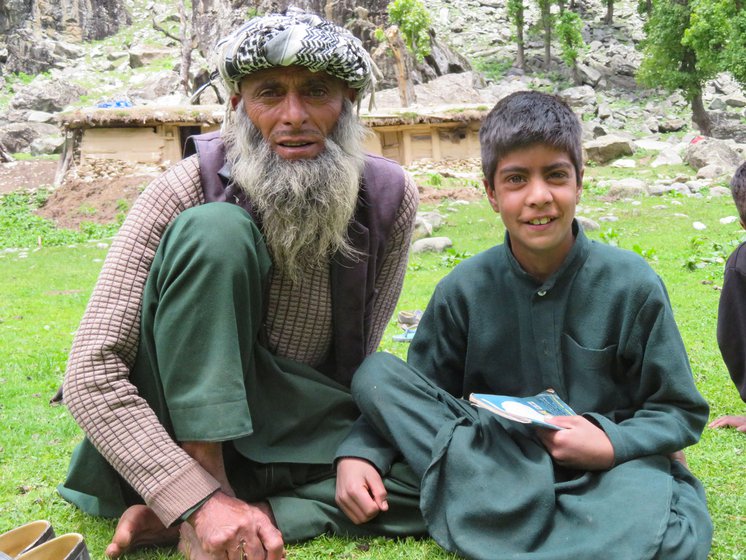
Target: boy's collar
(578, 253)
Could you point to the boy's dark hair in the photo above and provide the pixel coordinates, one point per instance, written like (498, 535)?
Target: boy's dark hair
(523, 119)
(738, 190)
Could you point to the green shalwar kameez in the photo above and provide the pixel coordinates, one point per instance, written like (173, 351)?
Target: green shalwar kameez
(204, 371)
(600, 331)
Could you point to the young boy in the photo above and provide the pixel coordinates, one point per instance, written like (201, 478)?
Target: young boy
(547, 309)
(731, 331)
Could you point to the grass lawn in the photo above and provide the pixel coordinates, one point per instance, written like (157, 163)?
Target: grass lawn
(45, 288)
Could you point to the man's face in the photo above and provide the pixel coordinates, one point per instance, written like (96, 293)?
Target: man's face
(536, 190)
(294, 109)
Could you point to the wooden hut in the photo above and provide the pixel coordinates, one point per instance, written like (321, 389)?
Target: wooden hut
(156, 135)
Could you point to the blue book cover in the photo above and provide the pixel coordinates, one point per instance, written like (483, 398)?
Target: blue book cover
(526, 410)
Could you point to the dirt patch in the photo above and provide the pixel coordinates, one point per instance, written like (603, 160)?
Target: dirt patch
(101, 192)
(25, 175)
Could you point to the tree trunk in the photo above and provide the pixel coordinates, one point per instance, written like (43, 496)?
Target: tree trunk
(520, 57)
(609, 12)
(700, 116)
(187, 39)
(5, 157)
(396, 43)
(546, 21)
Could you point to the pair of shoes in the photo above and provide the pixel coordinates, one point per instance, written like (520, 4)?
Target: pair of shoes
(409, 319)
(22, 539)
(406, 336)
(67, 547)
(36, 541)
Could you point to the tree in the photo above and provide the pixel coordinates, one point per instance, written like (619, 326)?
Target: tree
(609, 17)
(689, 42)
(187, 38)
(414, 22)
(517, 18)
(668, 62)
(569, 34)
(545, 7)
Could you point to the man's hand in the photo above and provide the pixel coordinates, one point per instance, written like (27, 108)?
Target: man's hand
(737, 422)
(583, 445)
(360, 491)
(228, 528)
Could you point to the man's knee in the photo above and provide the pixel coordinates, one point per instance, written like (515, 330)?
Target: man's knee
(379, 376)
(217, 231)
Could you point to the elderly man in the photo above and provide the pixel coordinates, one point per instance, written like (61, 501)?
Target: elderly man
(211, 370)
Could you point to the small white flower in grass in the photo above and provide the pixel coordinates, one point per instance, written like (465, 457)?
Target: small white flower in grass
(699, 226)
(728, 220)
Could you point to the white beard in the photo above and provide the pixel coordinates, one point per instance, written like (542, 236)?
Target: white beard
(305, 205)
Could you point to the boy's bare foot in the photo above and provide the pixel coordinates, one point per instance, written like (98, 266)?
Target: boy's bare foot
(139, 526)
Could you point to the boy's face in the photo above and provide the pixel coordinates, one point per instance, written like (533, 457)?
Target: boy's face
(536, 190)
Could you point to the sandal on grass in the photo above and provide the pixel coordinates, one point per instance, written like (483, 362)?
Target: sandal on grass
(409, 319)
(406, 336)
(22, 539)
(67, 547)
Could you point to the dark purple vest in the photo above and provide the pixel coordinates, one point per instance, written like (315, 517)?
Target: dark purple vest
(352, 281)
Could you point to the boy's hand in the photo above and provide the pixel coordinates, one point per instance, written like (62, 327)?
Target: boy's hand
(737, 422)
(583, 445)
(360, 491)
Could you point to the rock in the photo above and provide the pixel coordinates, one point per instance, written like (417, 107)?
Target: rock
(141, 55)
(735, 100)
(578, 97)
(587, 223)
(422, 229)
(435, 219)
(627, 187)
(667, 157)
(607, 148)
(714, 171)
(710, 151)
(625, 163)
(720, 191)
(39, 116)
(671, 124)
(47, 145)
(47, 95)
(729, 220)
(17, 137)
(651, 144)
(431, 244)
(153, 86)
(589, 76)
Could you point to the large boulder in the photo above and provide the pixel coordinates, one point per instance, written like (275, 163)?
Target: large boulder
(47, 95)
(607, 148)
(711, 151)
(18, 137)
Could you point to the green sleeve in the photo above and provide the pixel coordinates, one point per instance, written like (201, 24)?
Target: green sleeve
(363, 442)
(671, 413)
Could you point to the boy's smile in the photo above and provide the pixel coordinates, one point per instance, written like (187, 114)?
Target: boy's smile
(536, 190)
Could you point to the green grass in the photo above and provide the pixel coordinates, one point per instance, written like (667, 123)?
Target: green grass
(45, 290)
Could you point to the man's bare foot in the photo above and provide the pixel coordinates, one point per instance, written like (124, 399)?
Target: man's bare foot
(189, 545)
(680, 457)
(139, 526)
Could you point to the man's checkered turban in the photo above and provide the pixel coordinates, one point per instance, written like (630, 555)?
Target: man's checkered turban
(298, 38)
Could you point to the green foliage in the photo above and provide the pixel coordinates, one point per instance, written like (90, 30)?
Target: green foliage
(690, 42)
(379, 35)
(610, 237)
(493, 68)
(414, 23)
(453, 257)
(435, 179)
(664, 53)
(570, 38)
(21, 228)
